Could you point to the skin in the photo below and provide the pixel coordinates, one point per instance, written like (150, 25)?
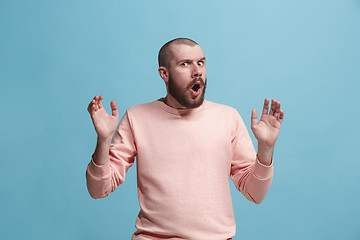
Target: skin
(187, 63)
(266, 131)
(105, 125)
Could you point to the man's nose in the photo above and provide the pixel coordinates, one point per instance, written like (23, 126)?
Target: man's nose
(196, 71)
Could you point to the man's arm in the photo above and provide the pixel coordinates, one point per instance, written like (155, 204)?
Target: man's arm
(113, 155)
(252, 173)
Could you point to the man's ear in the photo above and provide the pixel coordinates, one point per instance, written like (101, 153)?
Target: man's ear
(164, 74)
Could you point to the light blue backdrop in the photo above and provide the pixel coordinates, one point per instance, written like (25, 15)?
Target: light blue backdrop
(56, 55)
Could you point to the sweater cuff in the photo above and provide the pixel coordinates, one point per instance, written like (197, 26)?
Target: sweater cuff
(99, 171)
(262, 171)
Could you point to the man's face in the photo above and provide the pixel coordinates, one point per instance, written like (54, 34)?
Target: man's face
(187, 75)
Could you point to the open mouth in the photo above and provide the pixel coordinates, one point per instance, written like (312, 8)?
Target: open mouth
(196, 87)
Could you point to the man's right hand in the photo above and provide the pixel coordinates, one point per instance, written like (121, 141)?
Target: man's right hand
(104, 123)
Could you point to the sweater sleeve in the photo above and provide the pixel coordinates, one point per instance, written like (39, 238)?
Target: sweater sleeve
(103, 179)
(250, 177)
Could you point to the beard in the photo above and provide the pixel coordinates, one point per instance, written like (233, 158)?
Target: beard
(181, 96)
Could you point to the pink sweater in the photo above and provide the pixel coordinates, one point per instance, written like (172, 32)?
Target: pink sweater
(184, 160)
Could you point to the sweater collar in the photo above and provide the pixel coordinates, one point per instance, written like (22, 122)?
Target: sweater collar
(181, 112)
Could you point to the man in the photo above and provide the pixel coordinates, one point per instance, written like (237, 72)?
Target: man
(186, 150)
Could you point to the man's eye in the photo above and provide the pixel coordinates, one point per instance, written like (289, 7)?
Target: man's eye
(185, 64)
(201, 63)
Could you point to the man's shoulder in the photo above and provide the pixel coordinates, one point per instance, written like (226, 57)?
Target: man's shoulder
(221, 107)
(149, 106)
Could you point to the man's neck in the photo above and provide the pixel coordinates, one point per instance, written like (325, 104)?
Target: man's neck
(172, 102)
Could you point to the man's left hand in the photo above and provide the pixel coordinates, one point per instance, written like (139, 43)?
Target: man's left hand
(266, 131)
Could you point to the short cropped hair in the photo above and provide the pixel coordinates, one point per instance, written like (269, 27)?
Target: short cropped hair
(165, 53)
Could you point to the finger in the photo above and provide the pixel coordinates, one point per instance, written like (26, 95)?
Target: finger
(266, 106)
(281, 117)
(114, 109)
(99, 102)
(91, 103)
(277, 107)
(95, 106)
(253, 118)
(272, 109)
(91, 107)
(96, 99)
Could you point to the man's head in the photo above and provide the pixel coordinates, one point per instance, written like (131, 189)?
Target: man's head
(182, 67)
(165, 53)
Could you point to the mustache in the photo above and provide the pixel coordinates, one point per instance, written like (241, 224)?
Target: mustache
(198, 79)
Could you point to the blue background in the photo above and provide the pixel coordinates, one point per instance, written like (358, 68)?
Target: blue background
(56, 55)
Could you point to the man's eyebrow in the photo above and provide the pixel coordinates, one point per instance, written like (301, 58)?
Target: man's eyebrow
(184, 60)
(189, 60)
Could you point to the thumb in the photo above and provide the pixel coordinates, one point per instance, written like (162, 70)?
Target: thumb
(114, 109)
(253, 118)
